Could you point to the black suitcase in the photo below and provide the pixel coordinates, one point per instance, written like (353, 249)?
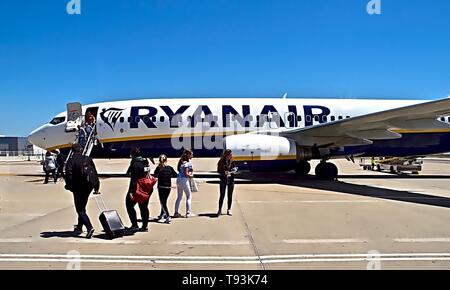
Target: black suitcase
(111, 222)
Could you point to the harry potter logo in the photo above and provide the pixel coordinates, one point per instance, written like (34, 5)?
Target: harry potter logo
(111, 116)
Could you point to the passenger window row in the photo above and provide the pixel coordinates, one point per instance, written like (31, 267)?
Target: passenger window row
(250, 118)
(445, 119)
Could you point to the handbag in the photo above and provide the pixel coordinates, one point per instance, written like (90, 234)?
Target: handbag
(193, 184)
(144, 189)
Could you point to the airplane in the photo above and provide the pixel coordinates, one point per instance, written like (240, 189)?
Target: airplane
(263, 134)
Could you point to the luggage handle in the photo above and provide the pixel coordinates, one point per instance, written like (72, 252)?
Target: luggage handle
(98, 204)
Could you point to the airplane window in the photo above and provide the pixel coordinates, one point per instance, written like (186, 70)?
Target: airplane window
(138, 119)
(333, 118)
(153, 119)
(443, 119)
(348, 117)
(299, 118)
(308, 118)
(448, 119)
(161, 119)
(122, 119)
(325, 119)
(316, 118)
(58, 120)
(340, 117)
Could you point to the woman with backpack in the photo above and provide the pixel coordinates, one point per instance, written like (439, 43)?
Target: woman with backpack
(164, 173)
(138, 169)
(50, 167)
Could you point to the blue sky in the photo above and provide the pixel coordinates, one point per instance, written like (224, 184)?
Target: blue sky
(125, 49)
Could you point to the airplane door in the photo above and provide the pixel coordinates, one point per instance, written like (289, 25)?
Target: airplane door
(74, 117)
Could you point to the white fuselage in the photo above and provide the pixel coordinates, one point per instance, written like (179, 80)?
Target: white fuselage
(126, 121)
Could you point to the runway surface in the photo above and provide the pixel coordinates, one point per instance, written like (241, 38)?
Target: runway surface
(365, 220)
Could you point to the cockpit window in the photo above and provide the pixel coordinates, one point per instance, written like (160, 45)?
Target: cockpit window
(58, 120)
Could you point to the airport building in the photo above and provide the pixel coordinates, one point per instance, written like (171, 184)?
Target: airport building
(15, 146)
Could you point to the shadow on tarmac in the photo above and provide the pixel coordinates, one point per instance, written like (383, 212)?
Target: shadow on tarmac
(339, 186)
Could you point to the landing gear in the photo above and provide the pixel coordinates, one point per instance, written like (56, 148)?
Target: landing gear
(303, 168)
(326, 171)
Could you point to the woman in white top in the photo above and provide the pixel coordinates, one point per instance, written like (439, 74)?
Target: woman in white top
(50, 167)
(185, 173)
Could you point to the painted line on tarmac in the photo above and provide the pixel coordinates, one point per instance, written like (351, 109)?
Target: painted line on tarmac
(319, 241)
(207, 243)
(275, 259)
(309, 201)
(71, 241)
(422, 240)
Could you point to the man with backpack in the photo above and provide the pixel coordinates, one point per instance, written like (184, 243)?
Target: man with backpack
(81, 178)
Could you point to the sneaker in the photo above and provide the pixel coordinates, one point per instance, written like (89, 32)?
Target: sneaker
(143, 229)
(177, 215)
(168, 220)
(229, 213)
(189, 214)
(90, 233)
(219, 213)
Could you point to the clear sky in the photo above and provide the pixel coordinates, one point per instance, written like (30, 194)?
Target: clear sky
(125, 49)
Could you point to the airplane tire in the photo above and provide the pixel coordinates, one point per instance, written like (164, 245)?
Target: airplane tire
(303, 168)
(326, 171)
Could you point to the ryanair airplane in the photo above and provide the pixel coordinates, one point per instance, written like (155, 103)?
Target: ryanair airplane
(264, 134)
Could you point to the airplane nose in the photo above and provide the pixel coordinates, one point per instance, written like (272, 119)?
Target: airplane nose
(37, 138)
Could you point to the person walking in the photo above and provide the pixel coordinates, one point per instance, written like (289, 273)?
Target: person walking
(226, 169)
(81, 178)
(164, 173)
(61, 163)
(82, 136)
(139, 168)
(50, 167)
(183, 183)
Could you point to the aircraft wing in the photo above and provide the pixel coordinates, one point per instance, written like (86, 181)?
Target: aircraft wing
(382, 125)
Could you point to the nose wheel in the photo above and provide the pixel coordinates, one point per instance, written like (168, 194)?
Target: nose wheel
(326, 171)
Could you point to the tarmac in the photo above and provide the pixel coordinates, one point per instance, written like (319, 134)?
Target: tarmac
(365, 220)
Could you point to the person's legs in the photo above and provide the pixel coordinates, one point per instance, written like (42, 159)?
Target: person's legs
(160, 195)
(81, 200)
(164, 196)
(187, 191)
(47, 176)
(222, 189)
(179, 197)
(131, 212)
(230, 193)
(145, 213)
(55, 177)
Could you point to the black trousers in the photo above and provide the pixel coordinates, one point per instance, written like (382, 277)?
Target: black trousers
(60, 172)
(145, 213)
(163, 197)
(47, 175)
(81, 199)
(226, 183)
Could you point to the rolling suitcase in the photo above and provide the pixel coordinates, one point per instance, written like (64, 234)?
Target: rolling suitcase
(110, 220)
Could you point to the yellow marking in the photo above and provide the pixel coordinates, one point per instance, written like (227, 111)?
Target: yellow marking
(170, 136)
(59, 147)
(401, 131)
(264, 158)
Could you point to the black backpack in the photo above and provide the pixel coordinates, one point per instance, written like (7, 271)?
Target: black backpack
(89, 176)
